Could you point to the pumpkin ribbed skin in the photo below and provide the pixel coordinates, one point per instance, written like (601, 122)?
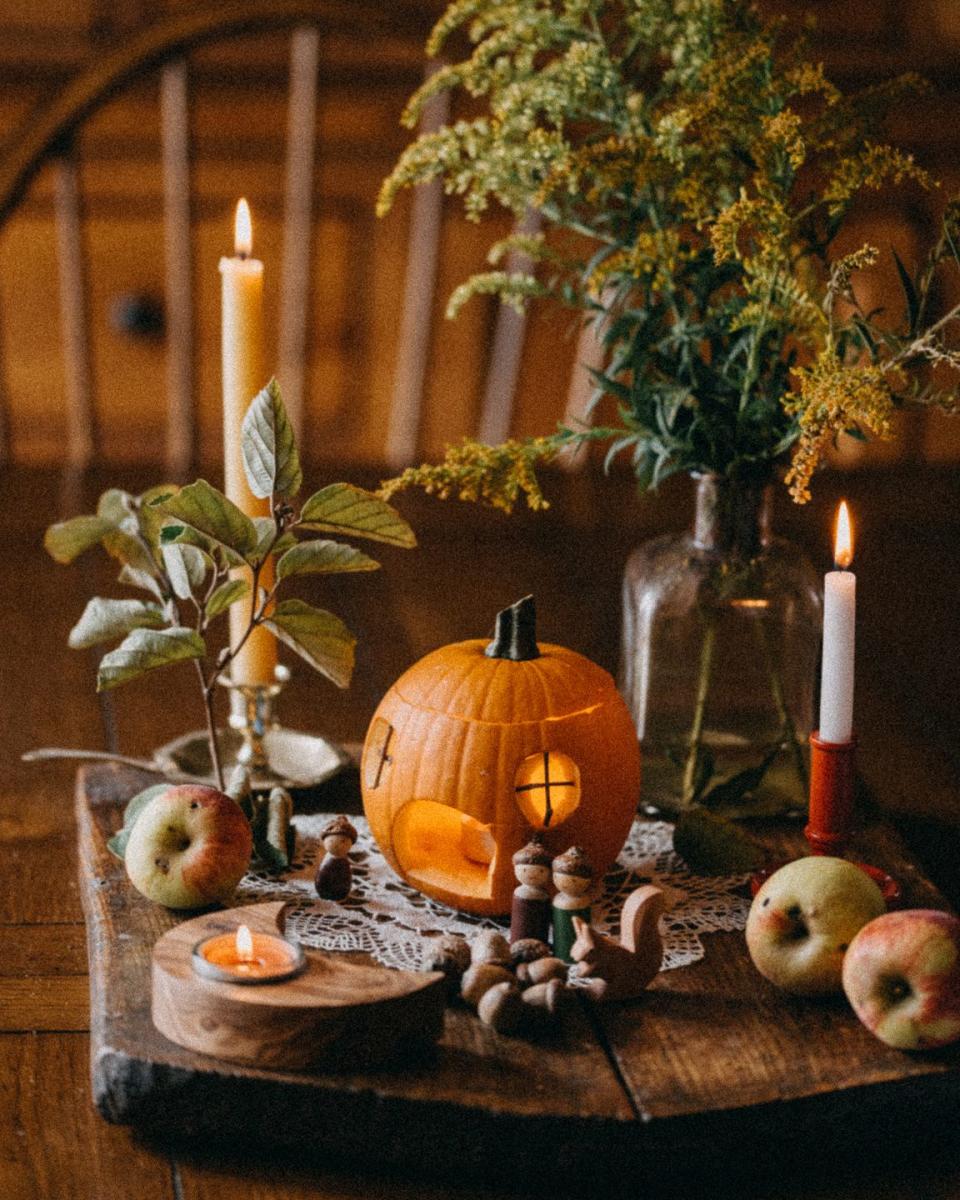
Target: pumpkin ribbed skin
(461, 724)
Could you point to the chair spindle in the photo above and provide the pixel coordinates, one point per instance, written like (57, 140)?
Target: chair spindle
(81, 433)
(178, 266)
(298, 221)
(413, 345)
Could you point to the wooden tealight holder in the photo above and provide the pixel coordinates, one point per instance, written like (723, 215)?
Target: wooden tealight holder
(336, 1012)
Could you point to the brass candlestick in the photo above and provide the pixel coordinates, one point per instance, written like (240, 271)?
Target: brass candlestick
(274, 755)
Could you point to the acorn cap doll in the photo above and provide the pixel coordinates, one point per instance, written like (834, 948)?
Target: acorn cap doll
(334, 874)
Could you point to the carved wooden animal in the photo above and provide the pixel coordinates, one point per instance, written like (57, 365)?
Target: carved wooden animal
(621, 970)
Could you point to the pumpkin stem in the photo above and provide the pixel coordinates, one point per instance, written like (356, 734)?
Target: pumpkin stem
(516, 633)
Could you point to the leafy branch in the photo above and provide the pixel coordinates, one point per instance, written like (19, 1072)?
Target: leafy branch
(692, 169)
(196, 555)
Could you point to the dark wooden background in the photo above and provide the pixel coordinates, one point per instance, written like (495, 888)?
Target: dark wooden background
(237, 126)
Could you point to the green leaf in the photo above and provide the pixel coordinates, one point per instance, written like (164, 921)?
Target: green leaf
(104, 620)
(146, 649)
(130, 577)
(208, 511)
(344, 508)
(149, 513)
(68, 539)
(186, 568)
(225, 595)
(711, 845)
(739, 785)
(270, 460)
(323, 557)
(115, 505)
(317, 636)
(127, 549)
(117, 845)
(910, 293)
(184, 536)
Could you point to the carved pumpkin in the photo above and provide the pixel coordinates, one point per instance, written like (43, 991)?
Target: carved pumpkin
(476, 745)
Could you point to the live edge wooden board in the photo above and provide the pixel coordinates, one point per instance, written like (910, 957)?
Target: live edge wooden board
(712, 1059)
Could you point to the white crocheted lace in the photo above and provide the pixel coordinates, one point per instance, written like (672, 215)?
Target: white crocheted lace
(387, 919)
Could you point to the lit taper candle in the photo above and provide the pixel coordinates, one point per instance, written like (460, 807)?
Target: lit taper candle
(243, 377)
(839, 623)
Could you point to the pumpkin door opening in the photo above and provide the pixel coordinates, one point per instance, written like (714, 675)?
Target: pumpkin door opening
(440, 847)
(548, 788)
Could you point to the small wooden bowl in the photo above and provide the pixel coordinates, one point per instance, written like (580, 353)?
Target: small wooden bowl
(335, 1013)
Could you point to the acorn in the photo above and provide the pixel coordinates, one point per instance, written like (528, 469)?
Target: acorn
(449, 954)
(501, 1007)
(528, 950)
(542, 970)
(480, 978)
(490, 946)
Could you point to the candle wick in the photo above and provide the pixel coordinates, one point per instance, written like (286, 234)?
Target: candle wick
(242, 254)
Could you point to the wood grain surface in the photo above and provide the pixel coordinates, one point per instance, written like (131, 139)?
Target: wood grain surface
(712, 1057)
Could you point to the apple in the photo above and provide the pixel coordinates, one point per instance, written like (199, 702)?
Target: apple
(803, 919)
(902, 977)
(189, 846)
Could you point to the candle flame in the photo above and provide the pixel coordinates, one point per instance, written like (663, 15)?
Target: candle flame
(243, 230)
(843, 542)
(244, 944)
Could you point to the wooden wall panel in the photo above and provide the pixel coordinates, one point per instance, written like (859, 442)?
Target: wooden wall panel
(237, 127)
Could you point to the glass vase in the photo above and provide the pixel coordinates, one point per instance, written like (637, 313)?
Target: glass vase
(721, 636)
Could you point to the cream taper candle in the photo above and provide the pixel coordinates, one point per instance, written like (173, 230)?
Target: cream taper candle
(243, 377)
(839, 624)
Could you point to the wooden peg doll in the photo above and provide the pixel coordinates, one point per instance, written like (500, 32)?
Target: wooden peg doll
(624, 969)
(334, 875)
(573, 879)
(530, 909)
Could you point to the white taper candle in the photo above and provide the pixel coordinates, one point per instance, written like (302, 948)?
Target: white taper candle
(839, 626)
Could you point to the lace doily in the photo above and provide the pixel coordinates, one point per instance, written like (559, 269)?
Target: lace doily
(387, 919)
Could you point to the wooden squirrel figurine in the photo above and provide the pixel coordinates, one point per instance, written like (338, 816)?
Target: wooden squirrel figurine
(624, 969)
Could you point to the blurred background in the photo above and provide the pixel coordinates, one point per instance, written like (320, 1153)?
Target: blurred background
(83, 252)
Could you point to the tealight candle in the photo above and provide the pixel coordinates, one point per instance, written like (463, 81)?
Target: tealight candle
(247, 957)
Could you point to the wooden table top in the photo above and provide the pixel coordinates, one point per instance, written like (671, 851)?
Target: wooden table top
(54, 1146)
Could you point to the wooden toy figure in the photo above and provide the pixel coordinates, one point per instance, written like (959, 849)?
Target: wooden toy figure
(334, 875)
(530, 910)
(573, 879)
(621, 970)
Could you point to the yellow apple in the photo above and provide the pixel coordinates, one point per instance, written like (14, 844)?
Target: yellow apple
(804, 918)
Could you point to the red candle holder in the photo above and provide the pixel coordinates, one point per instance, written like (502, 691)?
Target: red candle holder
(832, 783)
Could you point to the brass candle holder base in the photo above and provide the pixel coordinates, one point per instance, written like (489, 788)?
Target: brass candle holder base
(275, 756)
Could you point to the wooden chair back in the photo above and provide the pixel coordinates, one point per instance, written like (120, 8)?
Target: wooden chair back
(50, 135)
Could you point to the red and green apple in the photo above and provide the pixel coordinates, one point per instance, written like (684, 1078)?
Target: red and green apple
(902, 977)
(189, 847)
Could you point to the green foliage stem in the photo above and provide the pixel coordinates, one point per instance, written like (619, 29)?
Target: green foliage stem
(692, 168)
(180, 545)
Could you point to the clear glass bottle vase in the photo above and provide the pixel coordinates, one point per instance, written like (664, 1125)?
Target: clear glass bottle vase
(721, 636)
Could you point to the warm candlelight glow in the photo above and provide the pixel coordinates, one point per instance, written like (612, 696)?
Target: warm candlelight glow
(244, 944)
(242, 230)
(843, 543)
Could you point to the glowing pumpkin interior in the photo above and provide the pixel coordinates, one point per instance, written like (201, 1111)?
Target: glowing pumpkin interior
(479, 745)
(441, 847)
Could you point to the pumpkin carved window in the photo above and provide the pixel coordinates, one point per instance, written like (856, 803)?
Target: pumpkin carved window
(376, 755)
(438, 846)
(547, 785)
